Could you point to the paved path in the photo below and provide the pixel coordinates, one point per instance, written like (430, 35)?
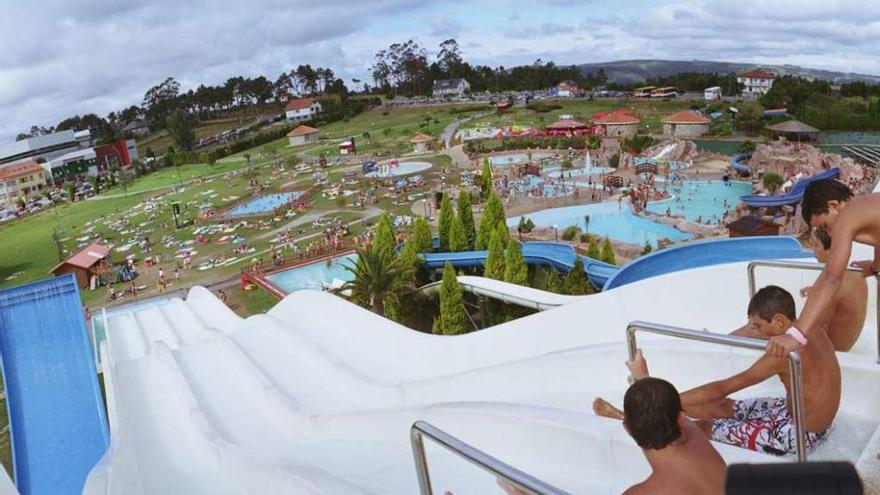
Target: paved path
(449, 131)
(459, 157)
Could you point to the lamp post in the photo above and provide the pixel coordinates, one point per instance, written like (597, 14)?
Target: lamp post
(556, 231)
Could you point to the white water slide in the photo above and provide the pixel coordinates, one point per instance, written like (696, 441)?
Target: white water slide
(318, 395)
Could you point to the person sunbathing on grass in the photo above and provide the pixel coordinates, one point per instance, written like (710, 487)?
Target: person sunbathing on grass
(683, 461)
(844, 322)
(765, 424)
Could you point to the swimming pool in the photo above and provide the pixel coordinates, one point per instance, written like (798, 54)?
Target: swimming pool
(557, 172)
(314, 275)
(505, 160)
(702, 200)
(402, 168)
(606, 219)
(530, 185)
(261, 204)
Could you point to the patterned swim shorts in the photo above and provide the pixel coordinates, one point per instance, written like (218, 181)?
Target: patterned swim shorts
(763, 425)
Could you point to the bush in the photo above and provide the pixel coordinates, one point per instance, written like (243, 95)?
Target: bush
(614, 161)
(525, 225)
(746, 146)
(772, 181)
(570, 233)
(541, 107)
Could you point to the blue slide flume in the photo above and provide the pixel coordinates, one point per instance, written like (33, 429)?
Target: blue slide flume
(791, 197)
(56, 410)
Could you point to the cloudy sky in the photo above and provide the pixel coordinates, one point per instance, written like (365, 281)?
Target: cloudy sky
(59, 58)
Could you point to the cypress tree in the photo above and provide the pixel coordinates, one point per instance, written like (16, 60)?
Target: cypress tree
(553, 282)
(421, 235)
(457, 237)
(383, 240)
(452, 319)
(576, 282)
(516, 271)
(409, 257)
(493, 214)
(608, 252)
(593, 249)
(494, 267)
(445, 222)
(466, 215)
(504, 234)
(486, 175)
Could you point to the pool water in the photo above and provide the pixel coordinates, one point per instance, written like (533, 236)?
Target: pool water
(314, 275)
(505, 160)
(606, 219)
(261, 204)
(557, 172)
(403, 168)
(702, 200)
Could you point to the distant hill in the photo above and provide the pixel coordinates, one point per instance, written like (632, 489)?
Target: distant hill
(631, 71)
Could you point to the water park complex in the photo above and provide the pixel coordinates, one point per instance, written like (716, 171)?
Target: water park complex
(419, 307)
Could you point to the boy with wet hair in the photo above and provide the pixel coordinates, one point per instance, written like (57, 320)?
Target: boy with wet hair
(765, 424)
(682, 460)
(830, 205)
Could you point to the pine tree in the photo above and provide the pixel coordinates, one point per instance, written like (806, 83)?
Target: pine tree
(608, 252)
(421, 234)
(466, 215)
(445, 222)
(516, 271)
(383, 241)
(409, 257)
(494, 267)
(504, 233)
(452, 319)
(457, 237)
(576, 282)
(593, 249)
(493, 215)
(486, 175)
(553, 282)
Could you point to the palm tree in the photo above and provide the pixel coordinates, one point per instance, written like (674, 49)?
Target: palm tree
(379, 277)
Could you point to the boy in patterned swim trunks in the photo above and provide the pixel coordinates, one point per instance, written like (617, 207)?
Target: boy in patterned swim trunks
(765, 424)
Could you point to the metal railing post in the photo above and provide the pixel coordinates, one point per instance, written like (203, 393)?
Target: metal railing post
(732, 341)
(799, 265)
(517, 478)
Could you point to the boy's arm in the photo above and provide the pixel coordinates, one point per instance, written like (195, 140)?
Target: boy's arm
(822, 294)
(764, 368)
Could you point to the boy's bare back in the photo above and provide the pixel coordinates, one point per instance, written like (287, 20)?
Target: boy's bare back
(821, 382)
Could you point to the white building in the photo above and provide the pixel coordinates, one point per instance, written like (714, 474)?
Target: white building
(45, 147)
(70, 165)
(302, 135)
(302, 109)
(757, 82)
(451, 87)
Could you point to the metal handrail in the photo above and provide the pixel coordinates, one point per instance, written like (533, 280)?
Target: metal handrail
(519, 479)
(800, 265)
(794, 361)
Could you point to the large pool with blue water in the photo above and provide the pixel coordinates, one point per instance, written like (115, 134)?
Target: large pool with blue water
(261, 204)
(704, 201)
(611, 219)
(506, 160)
(314, 275)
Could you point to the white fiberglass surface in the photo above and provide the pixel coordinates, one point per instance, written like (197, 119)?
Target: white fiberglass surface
(299, 401)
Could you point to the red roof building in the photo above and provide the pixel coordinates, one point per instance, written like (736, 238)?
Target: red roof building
(686, 124)
(302, 109)
(18, 170)
(87, 262)
(686, 117)
(617, 124)
(302, 131)
(758, 74)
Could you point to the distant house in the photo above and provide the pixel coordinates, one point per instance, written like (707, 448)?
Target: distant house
(686, 123)
(451, 87)
(302, 109)
(617, 124)
(566, 89)
(566, 125)
(302, 135)
(757, 82)
(87, 263)
(20, 180)
(136, 127)
(421, 143)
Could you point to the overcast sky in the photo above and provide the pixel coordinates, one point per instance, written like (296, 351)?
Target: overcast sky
(60, 58)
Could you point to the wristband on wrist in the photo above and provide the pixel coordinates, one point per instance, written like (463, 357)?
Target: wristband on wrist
(796, 334)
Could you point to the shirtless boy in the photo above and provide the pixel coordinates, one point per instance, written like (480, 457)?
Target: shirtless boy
(844, 322)
(682, 460)
(829, 205)
(765, 424)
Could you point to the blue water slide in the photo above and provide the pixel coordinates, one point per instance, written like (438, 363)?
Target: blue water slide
(738, 162)
(558, 255)
(792, 197)
(706, 253)
(56, 411)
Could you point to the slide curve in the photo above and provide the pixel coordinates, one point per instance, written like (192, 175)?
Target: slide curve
(792, 197)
